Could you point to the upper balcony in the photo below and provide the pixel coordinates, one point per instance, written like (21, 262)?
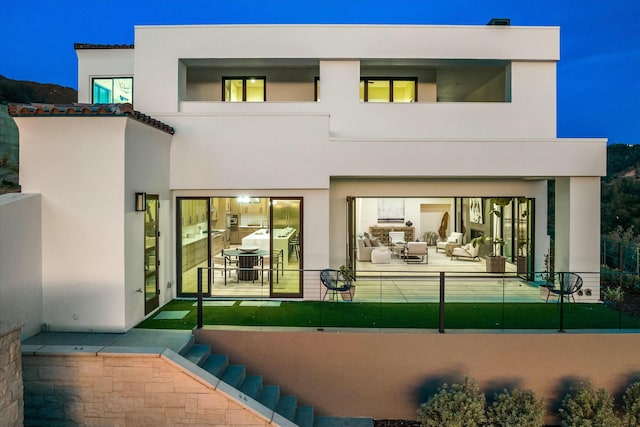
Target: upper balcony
(396, 99)
(380, 81)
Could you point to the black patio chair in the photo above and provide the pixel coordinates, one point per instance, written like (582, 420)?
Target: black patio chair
(570, 283)
(335, 282)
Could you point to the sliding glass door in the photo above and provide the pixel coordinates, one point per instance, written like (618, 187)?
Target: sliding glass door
(193, 244)
(287, 239)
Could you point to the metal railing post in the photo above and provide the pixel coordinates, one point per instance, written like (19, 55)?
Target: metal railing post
(441, 320)
(200, 297)
(561, 303)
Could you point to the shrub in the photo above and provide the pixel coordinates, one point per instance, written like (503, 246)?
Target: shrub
(584, 406)
(516, 409)
(461, 405)
(631, 400)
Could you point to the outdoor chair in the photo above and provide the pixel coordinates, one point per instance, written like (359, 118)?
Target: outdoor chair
(335, 282)
(570, 283)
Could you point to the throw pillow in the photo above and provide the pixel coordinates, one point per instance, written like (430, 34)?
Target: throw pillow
(367, 242)
(376, 242)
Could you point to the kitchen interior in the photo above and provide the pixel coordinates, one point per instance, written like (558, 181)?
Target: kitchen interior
(240, 223)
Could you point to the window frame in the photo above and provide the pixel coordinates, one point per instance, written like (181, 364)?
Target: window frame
(113, 79)
(390, 80)
(244, 87)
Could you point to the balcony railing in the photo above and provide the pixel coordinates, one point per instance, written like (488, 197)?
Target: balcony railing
(438, 301)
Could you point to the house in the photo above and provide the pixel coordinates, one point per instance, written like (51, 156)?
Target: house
(298, 138)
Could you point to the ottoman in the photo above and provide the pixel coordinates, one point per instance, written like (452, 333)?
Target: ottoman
(381, 256)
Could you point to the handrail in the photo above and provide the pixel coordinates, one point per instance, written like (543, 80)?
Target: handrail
(442, 289)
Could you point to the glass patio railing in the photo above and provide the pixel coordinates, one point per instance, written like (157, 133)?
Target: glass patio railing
(441, 301)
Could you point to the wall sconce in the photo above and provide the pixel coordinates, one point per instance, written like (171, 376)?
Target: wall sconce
(141, 202)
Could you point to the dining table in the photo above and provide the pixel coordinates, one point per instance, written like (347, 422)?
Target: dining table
(246, 261)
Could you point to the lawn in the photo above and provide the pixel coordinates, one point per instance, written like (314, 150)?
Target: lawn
(316, 314)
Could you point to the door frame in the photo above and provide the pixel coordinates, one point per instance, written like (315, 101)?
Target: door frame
(152, 303)
(206, 286)
(300, 293)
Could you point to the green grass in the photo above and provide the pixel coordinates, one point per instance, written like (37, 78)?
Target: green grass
(316, 314)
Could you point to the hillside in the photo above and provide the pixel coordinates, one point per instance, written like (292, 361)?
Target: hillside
(620, 193)
(22, 92)
(25, 91)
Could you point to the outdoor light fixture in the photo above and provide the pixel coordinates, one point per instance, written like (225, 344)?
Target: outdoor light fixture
(499, 21)
(141, 202)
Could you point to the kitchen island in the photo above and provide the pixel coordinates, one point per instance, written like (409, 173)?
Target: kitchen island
(281, 237)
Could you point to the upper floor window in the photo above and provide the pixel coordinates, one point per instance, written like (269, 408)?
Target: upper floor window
(387, 89)
(112, 90)
(243, 89)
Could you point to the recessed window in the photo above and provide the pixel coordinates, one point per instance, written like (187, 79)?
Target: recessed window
(388, 89)
(116, 90)
(243, 89)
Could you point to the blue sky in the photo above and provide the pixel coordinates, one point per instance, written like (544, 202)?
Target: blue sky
(598, 72)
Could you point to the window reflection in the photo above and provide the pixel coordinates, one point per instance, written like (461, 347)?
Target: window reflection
(112, 90)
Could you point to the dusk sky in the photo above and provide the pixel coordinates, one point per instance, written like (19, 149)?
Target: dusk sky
(598, 72)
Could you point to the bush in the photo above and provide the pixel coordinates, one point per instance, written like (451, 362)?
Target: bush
(516, 409)
(461, 405)
(631, 400)
(584, 406)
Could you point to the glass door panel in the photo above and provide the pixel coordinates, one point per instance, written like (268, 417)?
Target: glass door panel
(351, 233)
(286, 241)
(193, 244)
(151, 262)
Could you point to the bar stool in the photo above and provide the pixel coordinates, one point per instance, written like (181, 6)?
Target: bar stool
(294, 246)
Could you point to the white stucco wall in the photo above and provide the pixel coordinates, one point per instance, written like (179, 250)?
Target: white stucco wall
(102, 63)
(79, 170)
(21, 262)
(159, 47)
(146, 170)
(87, 170)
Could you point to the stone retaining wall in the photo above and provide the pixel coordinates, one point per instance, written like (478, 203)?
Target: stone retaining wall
(123, 390)
(11, 392)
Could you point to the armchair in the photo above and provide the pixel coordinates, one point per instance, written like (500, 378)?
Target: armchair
(466, 251)
(454, 237)
(416, 250)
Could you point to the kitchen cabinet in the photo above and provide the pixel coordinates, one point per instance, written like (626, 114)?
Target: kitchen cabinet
(194, 254)
(233, 206)
(234, 237)
(245, 231)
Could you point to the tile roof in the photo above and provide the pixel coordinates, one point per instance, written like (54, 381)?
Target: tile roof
(102, 46)
(19, 110)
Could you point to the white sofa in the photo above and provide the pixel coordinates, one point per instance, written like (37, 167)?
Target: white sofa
(365, 247)
(454, 237)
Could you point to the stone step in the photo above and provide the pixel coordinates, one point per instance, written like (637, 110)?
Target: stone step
(234, 375)
(198, 353)
(269, 396)
(216, 364)
(287, 406)
(304, 416)
(251, 386)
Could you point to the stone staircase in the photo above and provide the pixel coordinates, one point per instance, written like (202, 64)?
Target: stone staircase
(264, 399)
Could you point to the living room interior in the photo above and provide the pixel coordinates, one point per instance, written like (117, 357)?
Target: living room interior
(445, 228)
